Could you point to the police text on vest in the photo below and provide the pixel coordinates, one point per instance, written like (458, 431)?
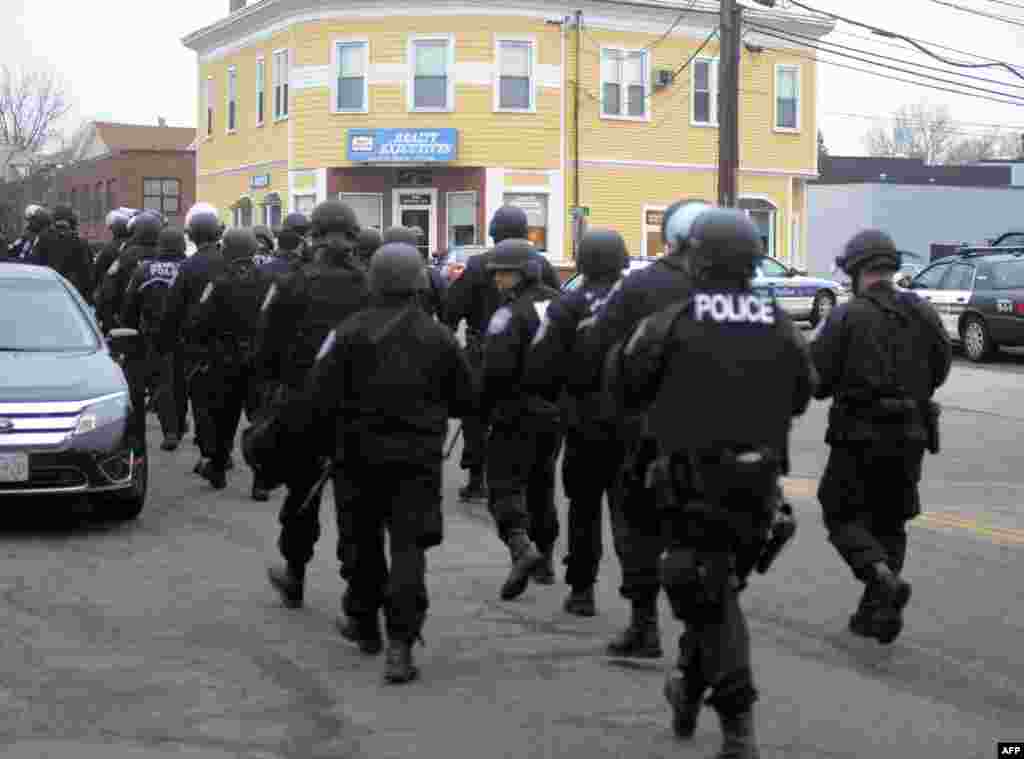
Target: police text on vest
(736, 308)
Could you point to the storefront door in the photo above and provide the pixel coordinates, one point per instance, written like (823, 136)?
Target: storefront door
(417, 209)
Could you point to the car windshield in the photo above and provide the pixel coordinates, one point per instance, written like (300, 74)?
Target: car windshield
(40, 315)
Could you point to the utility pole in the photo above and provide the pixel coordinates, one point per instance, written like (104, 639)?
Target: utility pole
(731, 20)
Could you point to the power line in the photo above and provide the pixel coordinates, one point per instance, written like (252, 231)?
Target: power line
(888, 43)
(972, 11)
(1007, 4)
(891, 117)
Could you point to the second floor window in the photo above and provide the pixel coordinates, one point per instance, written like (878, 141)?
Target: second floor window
(280, 84)
(351, 57)
(515, 75)
(787, 97)
(161, 195)
(623, 82)
(232, 98)
(704, 86)
(430, 74)
(261, 76)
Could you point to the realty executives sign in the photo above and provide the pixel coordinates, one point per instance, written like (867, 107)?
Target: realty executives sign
(403, 145)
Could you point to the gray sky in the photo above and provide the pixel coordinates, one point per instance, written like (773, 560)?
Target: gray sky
(146, 73)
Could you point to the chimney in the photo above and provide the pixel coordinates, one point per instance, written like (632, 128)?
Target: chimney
(235, 5)
(161, 121)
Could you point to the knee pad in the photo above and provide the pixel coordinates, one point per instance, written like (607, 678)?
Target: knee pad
(734, 694)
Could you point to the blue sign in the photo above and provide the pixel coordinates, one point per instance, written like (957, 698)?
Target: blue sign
(403, 145)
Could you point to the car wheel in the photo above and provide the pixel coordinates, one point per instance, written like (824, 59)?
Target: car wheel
(824, 302)
(126, 505)
(978, 344)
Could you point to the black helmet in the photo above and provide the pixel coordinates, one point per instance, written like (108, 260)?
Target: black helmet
(332, 217)
(202, 224)
(369, 240)
(602, 253)
(509, 222)
(514, 255)
(401, 234)
(678, 219)
(264, 236)
(726, 245)
(870, 245)
(298, 223)
(288, 239)
(172, 240)
(238, 243)
(38, 218)
(65, 214)
(117, 221)
(145, 228)
(397, 269)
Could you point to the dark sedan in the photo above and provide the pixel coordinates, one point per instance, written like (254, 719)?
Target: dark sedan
(64, 402)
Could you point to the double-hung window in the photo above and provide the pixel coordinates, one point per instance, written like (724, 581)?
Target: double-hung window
(787, 97)
(163, 195)
(280, 85)
(351, 61)
(261, 76)
(515, 75)
(232, 99)
(208, 98)
(623, 83)
(432, 86)
(704, 86)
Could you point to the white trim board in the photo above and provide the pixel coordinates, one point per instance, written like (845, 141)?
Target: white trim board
(601, 162)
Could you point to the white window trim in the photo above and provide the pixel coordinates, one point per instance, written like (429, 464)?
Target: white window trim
(644, 225)
(410, 57)
(335, 63)
(772, 235)
(285, 80)
(266, 212)
(261, 87)
(232, 70)
(646, 76)
(380, 204)
(447, 212)
(532, 41)
(713, 84)
(296, 196)
(775, 100)
(207, 108)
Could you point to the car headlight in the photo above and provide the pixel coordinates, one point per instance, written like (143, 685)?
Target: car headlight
(107, 410)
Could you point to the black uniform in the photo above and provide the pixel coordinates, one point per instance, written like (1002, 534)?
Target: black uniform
(144, 305)
(69, 255)
(104, 261)
(881, 358)
(299, 313)
(23, 248)
(110, 303)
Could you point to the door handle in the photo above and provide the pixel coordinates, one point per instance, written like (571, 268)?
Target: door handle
(961, 300)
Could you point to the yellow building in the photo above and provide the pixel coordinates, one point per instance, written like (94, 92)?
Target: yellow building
(433, 115)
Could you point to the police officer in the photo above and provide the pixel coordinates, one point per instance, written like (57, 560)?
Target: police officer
(145, 234)
(474, 297)
(287, 259)
(635, 525)
(526, 427)
(298, 223)
(203, 227)
(881, 358)
(227, 322)
(117, 223)
(593, 450)
(144, 305)
(369, 240)
(60, 248)
(433, 297)
(722, 449)
(37, 221)
(298, 314)
(265, 241)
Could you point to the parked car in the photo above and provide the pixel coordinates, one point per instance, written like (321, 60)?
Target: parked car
(1009, 239)
(64, 401)
(979, 294)
(804, 298)
(906, 274)
(452, 262)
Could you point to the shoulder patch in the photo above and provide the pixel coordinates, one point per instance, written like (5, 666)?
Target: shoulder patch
(271, 297)
(541, 307)
(207, 292)
(328, 345)
(500, 321)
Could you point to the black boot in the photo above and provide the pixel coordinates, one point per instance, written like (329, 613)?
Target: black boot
(862, 621)
(641, 640)
(738, 741)
(260, 493)
(544, 574)
(215, 475)
(200, 466)
(400, 668)
(290, 582)
(893, 593)
(525, 560)
(364, 632)
(685, 704)
(171, 443)
(581, 603)
(476, 488)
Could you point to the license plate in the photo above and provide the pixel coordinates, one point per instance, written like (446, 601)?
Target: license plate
(13, 467)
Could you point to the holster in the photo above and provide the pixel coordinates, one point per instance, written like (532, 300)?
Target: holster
(735, 478)
(780, 533)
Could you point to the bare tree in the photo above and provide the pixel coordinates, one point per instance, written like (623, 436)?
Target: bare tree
(31, 105)
(914, 131)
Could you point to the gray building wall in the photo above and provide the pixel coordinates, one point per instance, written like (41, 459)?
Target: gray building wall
(915, 216)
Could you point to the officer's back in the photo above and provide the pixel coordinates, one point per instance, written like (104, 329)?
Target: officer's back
(146, 299)
(64, 251)
(288, 258)
(145, 233)
(229, 308)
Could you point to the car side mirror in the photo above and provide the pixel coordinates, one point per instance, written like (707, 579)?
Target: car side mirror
(124, 341)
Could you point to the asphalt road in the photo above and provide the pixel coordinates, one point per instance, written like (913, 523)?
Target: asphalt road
(162, 638)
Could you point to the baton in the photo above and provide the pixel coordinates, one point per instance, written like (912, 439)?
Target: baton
(317, 490)
(455, 439)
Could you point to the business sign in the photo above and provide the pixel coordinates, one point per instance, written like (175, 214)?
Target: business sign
(259, 182)
(403, 145)
(415, 199)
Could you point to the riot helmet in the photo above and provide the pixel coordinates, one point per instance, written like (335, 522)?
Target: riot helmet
(117, 222)
(288, 239)
(509, 222)
(37, 218)
(514, 255)
(202, 224)
(238, 243)
(332, 217)
(871, 248)
(677, 221)
(145, 228)
(172, 240)
(368, 243)
(726, 246)
(397, 269)
(64, 215)
(602, 254)
(264, 237)
(298, 223)
(401, 234)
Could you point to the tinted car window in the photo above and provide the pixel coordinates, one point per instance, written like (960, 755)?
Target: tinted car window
(930, 278)
(960, 277)
(769, 268)
(1007, 275)
(40, 315)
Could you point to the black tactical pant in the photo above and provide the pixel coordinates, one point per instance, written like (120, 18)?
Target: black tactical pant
(179, 388)
(636, 527)
(402, 502)
(136, 369)
(590, 470)
(703, 570)
(233, 390)
(521, 479)
(867, 494)
(474, 429)
(202, 391)
(300, 521)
